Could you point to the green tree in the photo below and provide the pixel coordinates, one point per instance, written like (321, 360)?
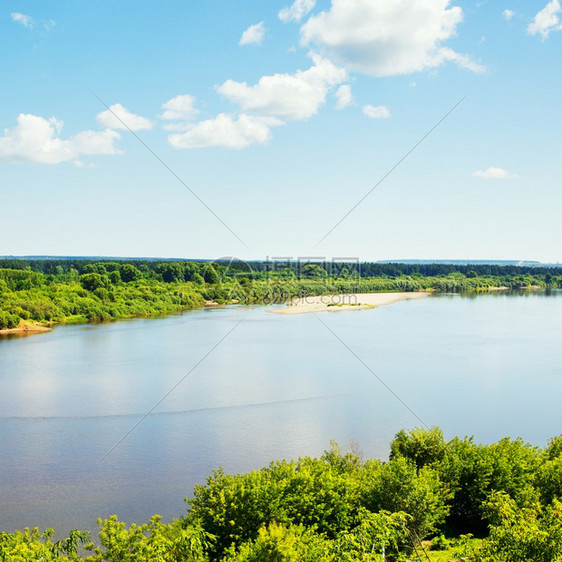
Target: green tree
(313, 271)
(97, 267)
(171, 272)
(210, 274)
(548, 480)
(421, 446)
(8, 320)
(129, 273)
(93, 281)
(554, 447)
(155, 540)
(522, 534)
(35, 546)
(316, 493)
(474, 471)
(114, 277)
(399, 486)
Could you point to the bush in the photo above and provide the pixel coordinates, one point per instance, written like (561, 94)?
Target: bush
(284, 544)
(8, 320)
(440, 543)
(21, 312)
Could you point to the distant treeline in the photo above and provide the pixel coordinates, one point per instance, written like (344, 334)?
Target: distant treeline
(77, 290)
(427, 502)
(300, 268)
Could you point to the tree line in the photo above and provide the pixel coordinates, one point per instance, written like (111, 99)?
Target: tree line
(72, 291)
(302, 267)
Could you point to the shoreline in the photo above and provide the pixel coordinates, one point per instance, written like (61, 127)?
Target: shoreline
(25, 328)
(298, 305)
(350, 301)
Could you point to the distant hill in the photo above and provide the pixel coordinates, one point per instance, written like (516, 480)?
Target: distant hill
(517, 263)
(95, 258)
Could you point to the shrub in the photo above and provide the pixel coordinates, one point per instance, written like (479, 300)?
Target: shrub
(8, 320)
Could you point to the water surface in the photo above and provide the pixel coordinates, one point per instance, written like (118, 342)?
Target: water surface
(276, 387)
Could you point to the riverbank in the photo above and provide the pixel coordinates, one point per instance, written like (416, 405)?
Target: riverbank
(25, 328)
(352, 301)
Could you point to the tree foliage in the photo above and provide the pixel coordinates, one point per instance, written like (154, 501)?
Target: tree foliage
(422, 447)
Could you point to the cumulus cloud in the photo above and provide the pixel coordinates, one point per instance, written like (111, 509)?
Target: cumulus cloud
(35, 139)
(80, 164)
(508, 14)
(124, 120)
(546, 20)
(382, 38)
(297, 10)
(376, 112)
(343, 96)
(273, 101)
(287, 97)
(253, 35)
(495, 174)
(225, 131)
(181, 107)
(26, 21)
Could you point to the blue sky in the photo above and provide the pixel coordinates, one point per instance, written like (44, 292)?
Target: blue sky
(280, 117)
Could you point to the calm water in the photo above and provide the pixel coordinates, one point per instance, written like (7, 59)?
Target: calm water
(276, 387)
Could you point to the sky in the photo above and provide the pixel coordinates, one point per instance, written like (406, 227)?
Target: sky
(244, 128)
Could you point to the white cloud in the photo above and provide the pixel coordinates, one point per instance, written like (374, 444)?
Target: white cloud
(26, 21)
(383, 38)
(508, 14)
(272, 102)
(343, 96)
(225, 131)
(80, 164)
(463, 61)
(35, 139)
(286, 96)
(253, 35)
(49, 24)
(494, 173)
(181, 107)
(127, 120)
(376, 112)
(546, 20)
(297, 10)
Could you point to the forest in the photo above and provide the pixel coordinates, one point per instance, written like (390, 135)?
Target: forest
(433, 500)
(67, 291)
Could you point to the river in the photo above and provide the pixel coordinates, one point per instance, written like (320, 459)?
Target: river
(127, 417)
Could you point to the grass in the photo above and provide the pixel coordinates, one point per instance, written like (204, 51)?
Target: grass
(455, 552)
(75, 319)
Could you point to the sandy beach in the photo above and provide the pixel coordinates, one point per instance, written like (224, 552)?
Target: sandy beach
(337, 303)
(25, 329)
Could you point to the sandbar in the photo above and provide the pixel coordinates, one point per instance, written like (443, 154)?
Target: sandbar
(337, 303)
